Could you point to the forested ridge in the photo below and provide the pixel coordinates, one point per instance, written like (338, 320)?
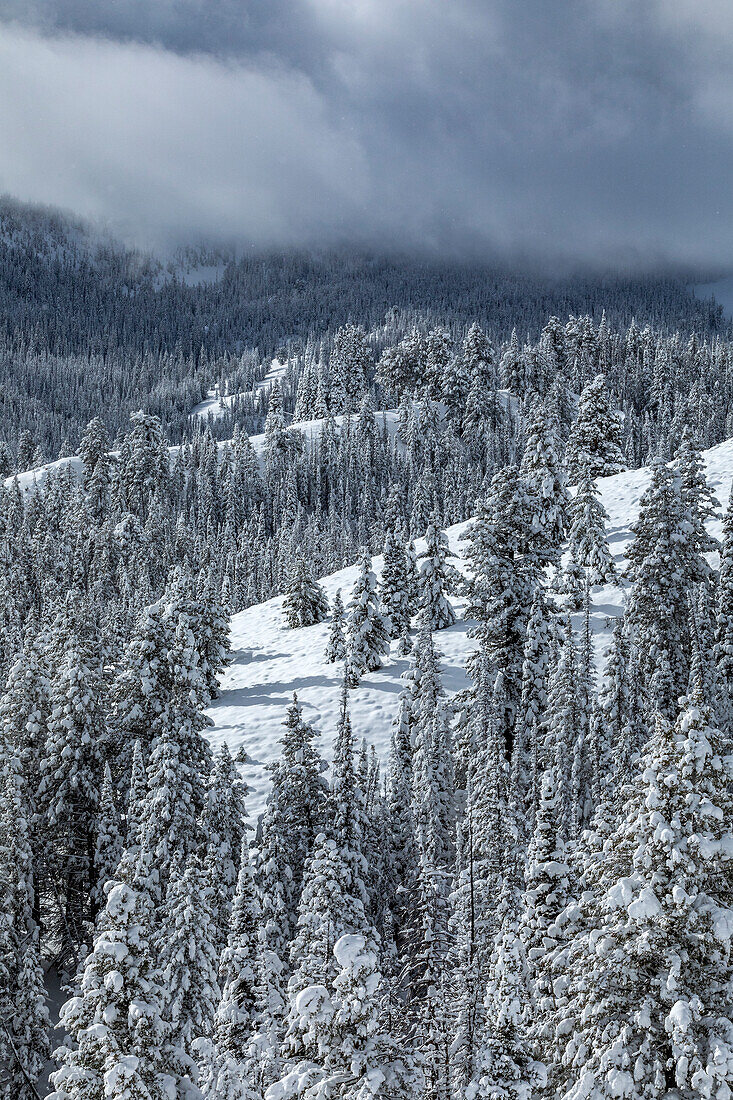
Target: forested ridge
(89, 327)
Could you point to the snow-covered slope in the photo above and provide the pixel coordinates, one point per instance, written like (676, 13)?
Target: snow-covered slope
(215, 405)
(271, 662)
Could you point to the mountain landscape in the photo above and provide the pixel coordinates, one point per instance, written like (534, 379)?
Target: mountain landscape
(366, 550)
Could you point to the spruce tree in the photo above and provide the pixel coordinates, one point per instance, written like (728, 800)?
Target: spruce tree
(108, 844)
(224, 826)
(24, 1018)
(437, 578)
(546, 893)
(188, 961)
(588, 532)
(652, 1010)
(505, 1067)
(68, 793)
(698, 499)
(724, 617)
(305, 602)
(368, 628)
(546, 483)
(393, 586)
(336, 648)
(118, 1044)
(333, 899)
(235, 1015)
(664, 565)
(295, 812)
(596, 436)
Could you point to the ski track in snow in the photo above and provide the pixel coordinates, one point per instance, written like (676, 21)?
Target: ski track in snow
(270, 662)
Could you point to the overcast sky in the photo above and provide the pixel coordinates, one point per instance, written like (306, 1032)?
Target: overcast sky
(585, 130)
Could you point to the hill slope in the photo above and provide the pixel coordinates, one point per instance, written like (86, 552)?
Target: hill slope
(271, 662)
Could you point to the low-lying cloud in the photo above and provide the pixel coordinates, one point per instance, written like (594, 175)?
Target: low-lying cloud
(582, 130)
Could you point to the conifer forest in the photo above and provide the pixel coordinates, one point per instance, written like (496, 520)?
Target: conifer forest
(366, 550)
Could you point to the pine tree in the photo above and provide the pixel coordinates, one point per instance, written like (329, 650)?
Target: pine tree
(437, 579)
(664, 565)
(393, 586)
(368, 629)
(546, 483)
(333, 899)
(565, 734)
(651, 980)
(596, 436)
(224, 825)
(295, 813)
(68, 794)
(531, 728)
(305, 602)
(573, 582)
(235, 1015)
(698, 499)
(336, 648)
(180, 763)
(94, 448)
(118, 1042)
(505, 1068)
(24, 711)
(503, 574)
(401, 827)
(588, 532)
(546, 893)
(348, 1052)
(350, 366)
(188, 959)
(512, 367)
(108, 846)
(612, 730)
(724, 616)
(24, 1018)
(142, 688)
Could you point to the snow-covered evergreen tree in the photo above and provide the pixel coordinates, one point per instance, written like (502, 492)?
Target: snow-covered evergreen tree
(333, 898)
(652, 1009)
(336, 648)
(69, 789)
(545, 478)
(117, 1042)
(664, 565)
(305, 602)
(724, 616)
(595, 443)
(437, 578)
(506, 1069)
(368, 627)
(108, 844)
(187, 960)
(235, 1014)
(394, 588)
(588, 532)
(224, 827)
(24, 1017)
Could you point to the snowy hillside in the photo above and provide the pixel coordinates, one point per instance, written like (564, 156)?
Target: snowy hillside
(270, 662)
(216, 404)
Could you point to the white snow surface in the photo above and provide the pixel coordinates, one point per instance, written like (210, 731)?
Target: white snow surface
(270, 662)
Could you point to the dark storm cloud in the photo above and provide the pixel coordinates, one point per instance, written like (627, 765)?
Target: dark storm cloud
(590, 130)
